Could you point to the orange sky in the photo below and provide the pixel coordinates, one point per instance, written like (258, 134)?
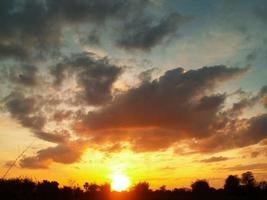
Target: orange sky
(162, 91)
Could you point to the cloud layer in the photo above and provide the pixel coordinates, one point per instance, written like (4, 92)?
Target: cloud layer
(157, 114)
(35, 29)
(67, 92)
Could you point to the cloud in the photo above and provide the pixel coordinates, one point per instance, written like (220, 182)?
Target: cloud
(182, 106)
(27, 110)
(40, 108)
(238, 133)
(26, 29)
(143, 34)
(65, 153)
(13, 51)
(94, 75)
(214, 159)
(257, 166)
(97, 11)
(55, 137)
(261, 151)
(254, 154)
(263, 96)
(172, 93)
(33, 30)
(19, 105)
(61, 115)
(160, 112)
(264, 101)
(93, 38)
(260, 12)
(246, 101)
(256, 130)
(152, 116)
(24, 75)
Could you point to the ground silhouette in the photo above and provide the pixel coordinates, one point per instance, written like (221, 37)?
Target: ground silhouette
(235, 188)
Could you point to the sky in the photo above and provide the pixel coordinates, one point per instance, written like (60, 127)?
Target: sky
(163, 91)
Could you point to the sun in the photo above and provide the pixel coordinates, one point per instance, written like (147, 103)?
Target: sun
(119, 182)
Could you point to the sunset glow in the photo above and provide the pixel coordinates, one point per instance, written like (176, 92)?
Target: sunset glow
(119, 182)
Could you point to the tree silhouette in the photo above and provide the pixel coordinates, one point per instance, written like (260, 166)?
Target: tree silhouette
(248, 179)
(47, 190)
(163, 188)
(263, 185)
(142, 187)
(26, 189)
(91, 187)
(200, 186)
(232, 184)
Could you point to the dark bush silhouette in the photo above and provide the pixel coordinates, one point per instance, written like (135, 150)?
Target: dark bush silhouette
(141, 188)
(263, 185)
(232, 184)
(200, 187)
(91, 187)
(235, 188)
(248, 179)
(47, 190)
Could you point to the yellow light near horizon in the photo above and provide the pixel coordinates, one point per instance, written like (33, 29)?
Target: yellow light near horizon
(119, 182)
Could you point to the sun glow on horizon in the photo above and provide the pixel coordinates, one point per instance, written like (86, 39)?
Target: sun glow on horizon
(119, 182)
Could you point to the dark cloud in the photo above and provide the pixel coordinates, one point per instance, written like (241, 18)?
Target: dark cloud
(251, 56)
(37, 110)
(178, 106)
(142, 33)
(263, 91)
(25, 75)
(61, 115)
(8, 51)
(97, 11)
(256, 131)
(172, 93)
(257, 166)
(264, 101)
(95, 76)
(26, 29)
(263, 95)
(254, 154)
(146, 75)
(27, 111)
(93, 38)
(214, 159)
(262, 151)
(160, 112)
(237, 133)
(33, 29)
(260, 12)
(246, 101)
(66, 153)
(55, 137)
(18, 105)
(90, 38)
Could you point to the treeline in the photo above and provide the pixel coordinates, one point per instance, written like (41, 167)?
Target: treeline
(235, 188)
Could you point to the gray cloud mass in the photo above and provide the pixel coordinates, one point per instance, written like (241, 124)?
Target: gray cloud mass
(64, 94)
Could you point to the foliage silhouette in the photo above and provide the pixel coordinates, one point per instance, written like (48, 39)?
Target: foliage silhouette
(248, 179)
(232, 184)
(235, 188)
